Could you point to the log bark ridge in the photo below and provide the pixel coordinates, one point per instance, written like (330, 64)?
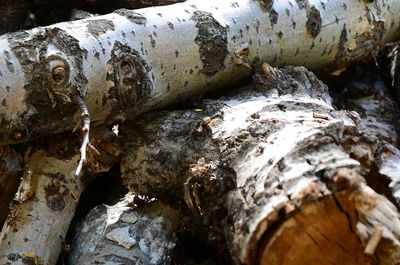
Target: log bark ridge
(129, 62)
(278, 169)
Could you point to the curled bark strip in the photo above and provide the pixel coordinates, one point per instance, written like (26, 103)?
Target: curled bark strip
(85, 129)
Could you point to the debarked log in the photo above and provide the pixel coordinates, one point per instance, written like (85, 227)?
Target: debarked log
(279, 170)
(129, 62)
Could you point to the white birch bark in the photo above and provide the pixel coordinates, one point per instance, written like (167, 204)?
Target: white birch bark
(285, 175)
(124, 234)
(45, 202)
(44, 206)
(129, 62)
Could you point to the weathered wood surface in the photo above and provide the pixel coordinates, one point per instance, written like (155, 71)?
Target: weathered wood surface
(278, 169)
(126, 234)
(129, 62)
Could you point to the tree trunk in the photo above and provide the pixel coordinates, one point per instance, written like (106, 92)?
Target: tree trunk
(129, 62)
(281, 172)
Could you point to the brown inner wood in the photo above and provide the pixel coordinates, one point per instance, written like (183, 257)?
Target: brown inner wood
(319, 233)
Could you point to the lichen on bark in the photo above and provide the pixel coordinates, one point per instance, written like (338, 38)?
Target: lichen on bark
(212, 40)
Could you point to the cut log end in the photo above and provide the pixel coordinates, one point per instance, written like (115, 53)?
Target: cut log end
(347, 228)
(319, 233)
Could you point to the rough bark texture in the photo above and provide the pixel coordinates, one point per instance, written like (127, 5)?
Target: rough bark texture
(375, 104)
(126, 234)
(279, 169)
(374, 101)
(129, 62)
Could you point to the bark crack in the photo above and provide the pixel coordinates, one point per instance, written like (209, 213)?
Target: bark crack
(335, 199)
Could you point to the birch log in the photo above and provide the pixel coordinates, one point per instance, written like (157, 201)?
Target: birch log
(280, 171)
(129, 62)
(45, 202)
(44, 205)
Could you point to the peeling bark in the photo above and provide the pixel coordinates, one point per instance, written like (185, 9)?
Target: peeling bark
(372, 99)
(129, 62)
(125, 234)
(278, 169)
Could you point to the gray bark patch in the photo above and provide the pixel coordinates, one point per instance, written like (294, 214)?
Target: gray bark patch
(43, 91)
(99, 26)
(10, 66)
(302, 3)
(212, 40)
(342, 42)
(55, 192)
(52, 99)
(132, 16)
(130, 74)
(266, 5)
(314, 21)
(121, 260)
(273, 17)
